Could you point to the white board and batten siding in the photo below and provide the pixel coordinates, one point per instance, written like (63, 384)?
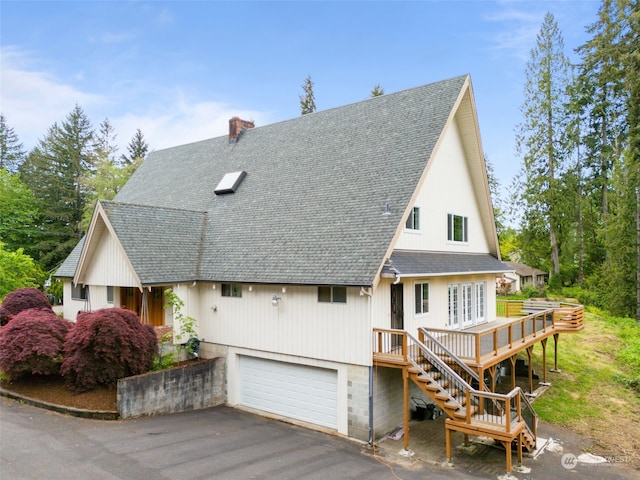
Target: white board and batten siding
(447, 189)
(299, 326)
(108, 265)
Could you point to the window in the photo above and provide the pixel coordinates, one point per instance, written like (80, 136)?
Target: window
(79, 292)
(109, 294)
(422, 297)
(231, 290)
(332, 294)
(457, 228)
(467, 304)
(480, 301)
(413, 222)
(454, 318)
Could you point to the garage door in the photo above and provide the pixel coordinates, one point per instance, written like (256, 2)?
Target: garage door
(296, 391)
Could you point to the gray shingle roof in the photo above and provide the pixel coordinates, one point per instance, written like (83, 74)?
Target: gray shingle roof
(68, 268)
(310, 210)
(413, 263)
(162, 244)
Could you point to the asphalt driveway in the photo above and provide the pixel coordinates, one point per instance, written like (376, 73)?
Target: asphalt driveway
(216, 443)
(226, 443)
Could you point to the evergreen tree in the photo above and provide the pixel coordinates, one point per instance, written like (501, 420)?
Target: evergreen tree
(18, 211)
(542, 144)
(377, 90)
(12, 152)
(307, 100)
(610, 76)
(137, 149)
(56, 172)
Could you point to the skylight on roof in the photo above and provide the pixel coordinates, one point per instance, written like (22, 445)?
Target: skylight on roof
(230, 182)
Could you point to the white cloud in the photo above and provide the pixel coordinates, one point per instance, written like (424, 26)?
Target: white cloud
(34, 100)
(180, 121)
(519, 31)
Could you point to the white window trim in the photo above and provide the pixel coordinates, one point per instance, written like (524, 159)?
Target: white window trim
(471, 308)
(411, 214)
(451, 218)
(428, 312)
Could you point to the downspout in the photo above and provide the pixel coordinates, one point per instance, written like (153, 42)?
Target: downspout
(369, 293)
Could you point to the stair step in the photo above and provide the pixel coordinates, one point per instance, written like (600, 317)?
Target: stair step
(432, 387)
(445, 395)
(462, 412)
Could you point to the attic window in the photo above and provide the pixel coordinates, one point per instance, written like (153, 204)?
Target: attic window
(230, 183)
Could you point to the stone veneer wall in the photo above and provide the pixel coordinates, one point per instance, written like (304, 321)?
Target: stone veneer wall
(190, 387)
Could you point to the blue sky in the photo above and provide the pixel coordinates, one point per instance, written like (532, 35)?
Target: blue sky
(178, 70)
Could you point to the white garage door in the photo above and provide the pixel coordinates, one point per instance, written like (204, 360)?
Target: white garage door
(296, 391)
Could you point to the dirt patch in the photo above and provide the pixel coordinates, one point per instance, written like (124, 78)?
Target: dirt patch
(52, 389)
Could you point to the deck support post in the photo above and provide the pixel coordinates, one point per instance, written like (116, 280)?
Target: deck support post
(512, 359)
(447, 436)
(555, 352)
(530, 356)
(492, 373)
(544, 360)
(405, 384)
(507, 448)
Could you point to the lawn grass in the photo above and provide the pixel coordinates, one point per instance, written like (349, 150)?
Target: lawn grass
(600, 368)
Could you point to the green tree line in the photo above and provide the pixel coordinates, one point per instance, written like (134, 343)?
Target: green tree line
(577, 194)
(47, 195)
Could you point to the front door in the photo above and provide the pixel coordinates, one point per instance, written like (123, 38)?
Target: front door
(397, 311)
(133, 299)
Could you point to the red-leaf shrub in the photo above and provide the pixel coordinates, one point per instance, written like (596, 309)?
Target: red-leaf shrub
(106, 345)
(20, 300)
(33, 342)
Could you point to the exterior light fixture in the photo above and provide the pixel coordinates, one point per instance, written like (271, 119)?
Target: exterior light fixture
(274, 300)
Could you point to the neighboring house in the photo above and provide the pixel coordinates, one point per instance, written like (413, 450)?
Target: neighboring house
(523, 276)
(290, 243)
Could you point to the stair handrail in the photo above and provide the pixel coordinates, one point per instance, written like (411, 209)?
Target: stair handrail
(528, 414)
(458, 360)
(453, 356)
(434, 359)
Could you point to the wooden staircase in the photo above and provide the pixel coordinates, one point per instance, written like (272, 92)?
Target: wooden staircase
(450, 383)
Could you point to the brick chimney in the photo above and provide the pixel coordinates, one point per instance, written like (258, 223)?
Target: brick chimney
(236, 127)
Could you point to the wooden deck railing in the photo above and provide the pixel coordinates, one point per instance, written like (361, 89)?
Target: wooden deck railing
(482, 347)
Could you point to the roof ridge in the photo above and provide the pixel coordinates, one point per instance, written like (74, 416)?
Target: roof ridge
(153, 207)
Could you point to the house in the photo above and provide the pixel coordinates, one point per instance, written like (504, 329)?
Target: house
(299, 245)
(523, 276)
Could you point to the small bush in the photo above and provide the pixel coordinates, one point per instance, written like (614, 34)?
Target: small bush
(33, 342)
(20, 300)
(106, 345)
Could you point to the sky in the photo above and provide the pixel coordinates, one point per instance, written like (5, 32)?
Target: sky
(179, 70)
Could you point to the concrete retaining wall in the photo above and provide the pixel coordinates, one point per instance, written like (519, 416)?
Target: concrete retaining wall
(189, 387)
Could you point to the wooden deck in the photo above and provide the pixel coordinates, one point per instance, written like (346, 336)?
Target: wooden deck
(484, 346)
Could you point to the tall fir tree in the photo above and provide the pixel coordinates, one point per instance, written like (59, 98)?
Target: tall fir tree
(307, 99)
(56, 172)
(137, 149)
(541, 143)
(610, 76)
(12, 152)
(377, 91)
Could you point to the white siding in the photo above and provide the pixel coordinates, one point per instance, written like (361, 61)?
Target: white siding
(108, 265)
(299, 325)
(448, 188)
